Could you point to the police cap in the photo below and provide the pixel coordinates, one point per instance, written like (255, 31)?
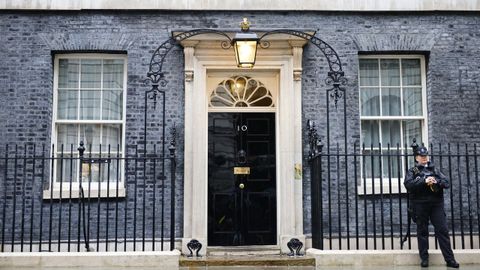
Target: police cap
(421, 151)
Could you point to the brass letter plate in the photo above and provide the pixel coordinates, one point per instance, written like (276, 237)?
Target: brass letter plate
(241, 170)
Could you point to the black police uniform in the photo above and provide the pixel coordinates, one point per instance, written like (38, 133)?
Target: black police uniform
(427, 204)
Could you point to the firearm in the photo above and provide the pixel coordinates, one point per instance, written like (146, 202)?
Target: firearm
(430, 172)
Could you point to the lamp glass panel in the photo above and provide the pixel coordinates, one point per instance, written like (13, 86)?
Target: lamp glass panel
(245, 52)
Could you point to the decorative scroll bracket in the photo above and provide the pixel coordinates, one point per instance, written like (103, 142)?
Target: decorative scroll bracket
(295, 245)
(194, 245)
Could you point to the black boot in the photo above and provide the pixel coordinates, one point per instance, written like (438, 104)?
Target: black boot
(424, 263)
(453, 264)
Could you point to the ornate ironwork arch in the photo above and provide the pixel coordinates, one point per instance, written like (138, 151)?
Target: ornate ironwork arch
(335, 76)
(333, 60)
(155, 73)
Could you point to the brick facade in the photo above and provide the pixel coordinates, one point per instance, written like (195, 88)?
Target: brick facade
(30, 39)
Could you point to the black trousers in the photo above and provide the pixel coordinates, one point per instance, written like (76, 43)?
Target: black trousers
(435, 213)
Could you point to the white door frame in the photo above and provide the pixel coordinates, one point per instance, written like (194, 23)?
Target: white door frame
(202, 55)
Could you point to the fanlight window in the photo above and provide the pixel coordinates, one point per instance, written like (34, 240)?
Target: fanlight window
(241, 91)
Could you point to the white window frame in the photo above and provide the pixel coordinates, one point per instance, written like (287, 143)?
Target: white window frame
(376, 184)
(94, 191)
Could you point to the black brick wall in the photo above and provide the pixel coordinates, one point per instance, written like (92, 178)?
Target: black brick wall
(29, 39)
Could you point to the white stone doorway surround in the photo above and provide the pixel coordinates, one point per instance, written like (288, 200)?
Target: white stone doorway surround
(204, 55)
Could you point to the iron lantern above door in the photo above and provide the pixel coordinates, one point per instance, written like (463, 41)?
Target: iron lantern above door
(245, 46)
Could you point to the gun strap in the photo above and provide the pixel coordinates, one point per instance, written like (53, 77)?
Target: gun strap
(409, 223)
(407, 234)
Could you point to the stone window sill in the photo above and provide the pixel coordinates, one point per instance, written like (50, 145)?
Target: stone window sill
(75, 194)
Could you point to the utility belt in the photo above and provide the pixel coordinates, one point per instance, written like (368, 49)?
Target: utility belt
(413, 206)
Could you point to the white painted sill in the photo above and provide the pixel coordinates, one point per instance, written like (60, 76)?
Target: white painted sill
(75, 193)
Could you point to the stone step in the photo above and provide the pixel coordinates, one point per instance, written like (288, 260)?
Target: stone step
(242, 251)
(247, 260)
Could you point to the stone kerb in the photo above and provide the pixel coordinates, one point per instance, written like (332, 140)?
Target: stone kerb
(386, 257)
(167, 259)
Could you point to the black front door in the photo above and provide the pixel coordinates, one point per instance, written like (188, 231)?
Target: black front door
(241, 179)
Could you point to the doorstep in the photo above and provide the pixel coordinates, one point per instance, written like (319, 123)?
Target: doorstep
(247, 260)
(243, 250)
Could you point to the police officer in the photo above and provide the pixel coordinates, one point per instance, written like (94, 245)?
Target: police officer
(425, 185)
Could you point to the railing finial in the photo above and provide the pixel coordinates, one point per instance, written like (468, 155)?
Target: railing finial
(414, 145)
(81, 149)
(315, 142)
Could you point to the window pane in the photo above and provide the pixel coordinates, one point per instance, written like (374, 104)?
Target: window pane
(390, 133)
(91, 73)
(67, 104)
(91, 174)
(67, 134)
(67, 169)
(412, 129)
(68, 73)
(368, 72)
(391, 160)
(90, 105)
(112, 135)
(412, 101)
(99, 171)
(370, 101)
(411, 74)
(90, 135)
(410, 158)
(109, 172)
(370, 133)
(391, 102)
(222, 95)
(372, 163)
(390, 70)
(112, 105)
(113, 73)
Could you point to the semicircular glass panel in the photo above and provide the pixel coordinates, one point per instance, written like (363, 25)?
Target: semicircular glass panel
(241, 91)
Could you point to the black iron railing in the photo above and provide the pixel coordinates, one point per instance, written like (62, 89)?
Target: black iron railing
(59, 199)
(359, 202)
